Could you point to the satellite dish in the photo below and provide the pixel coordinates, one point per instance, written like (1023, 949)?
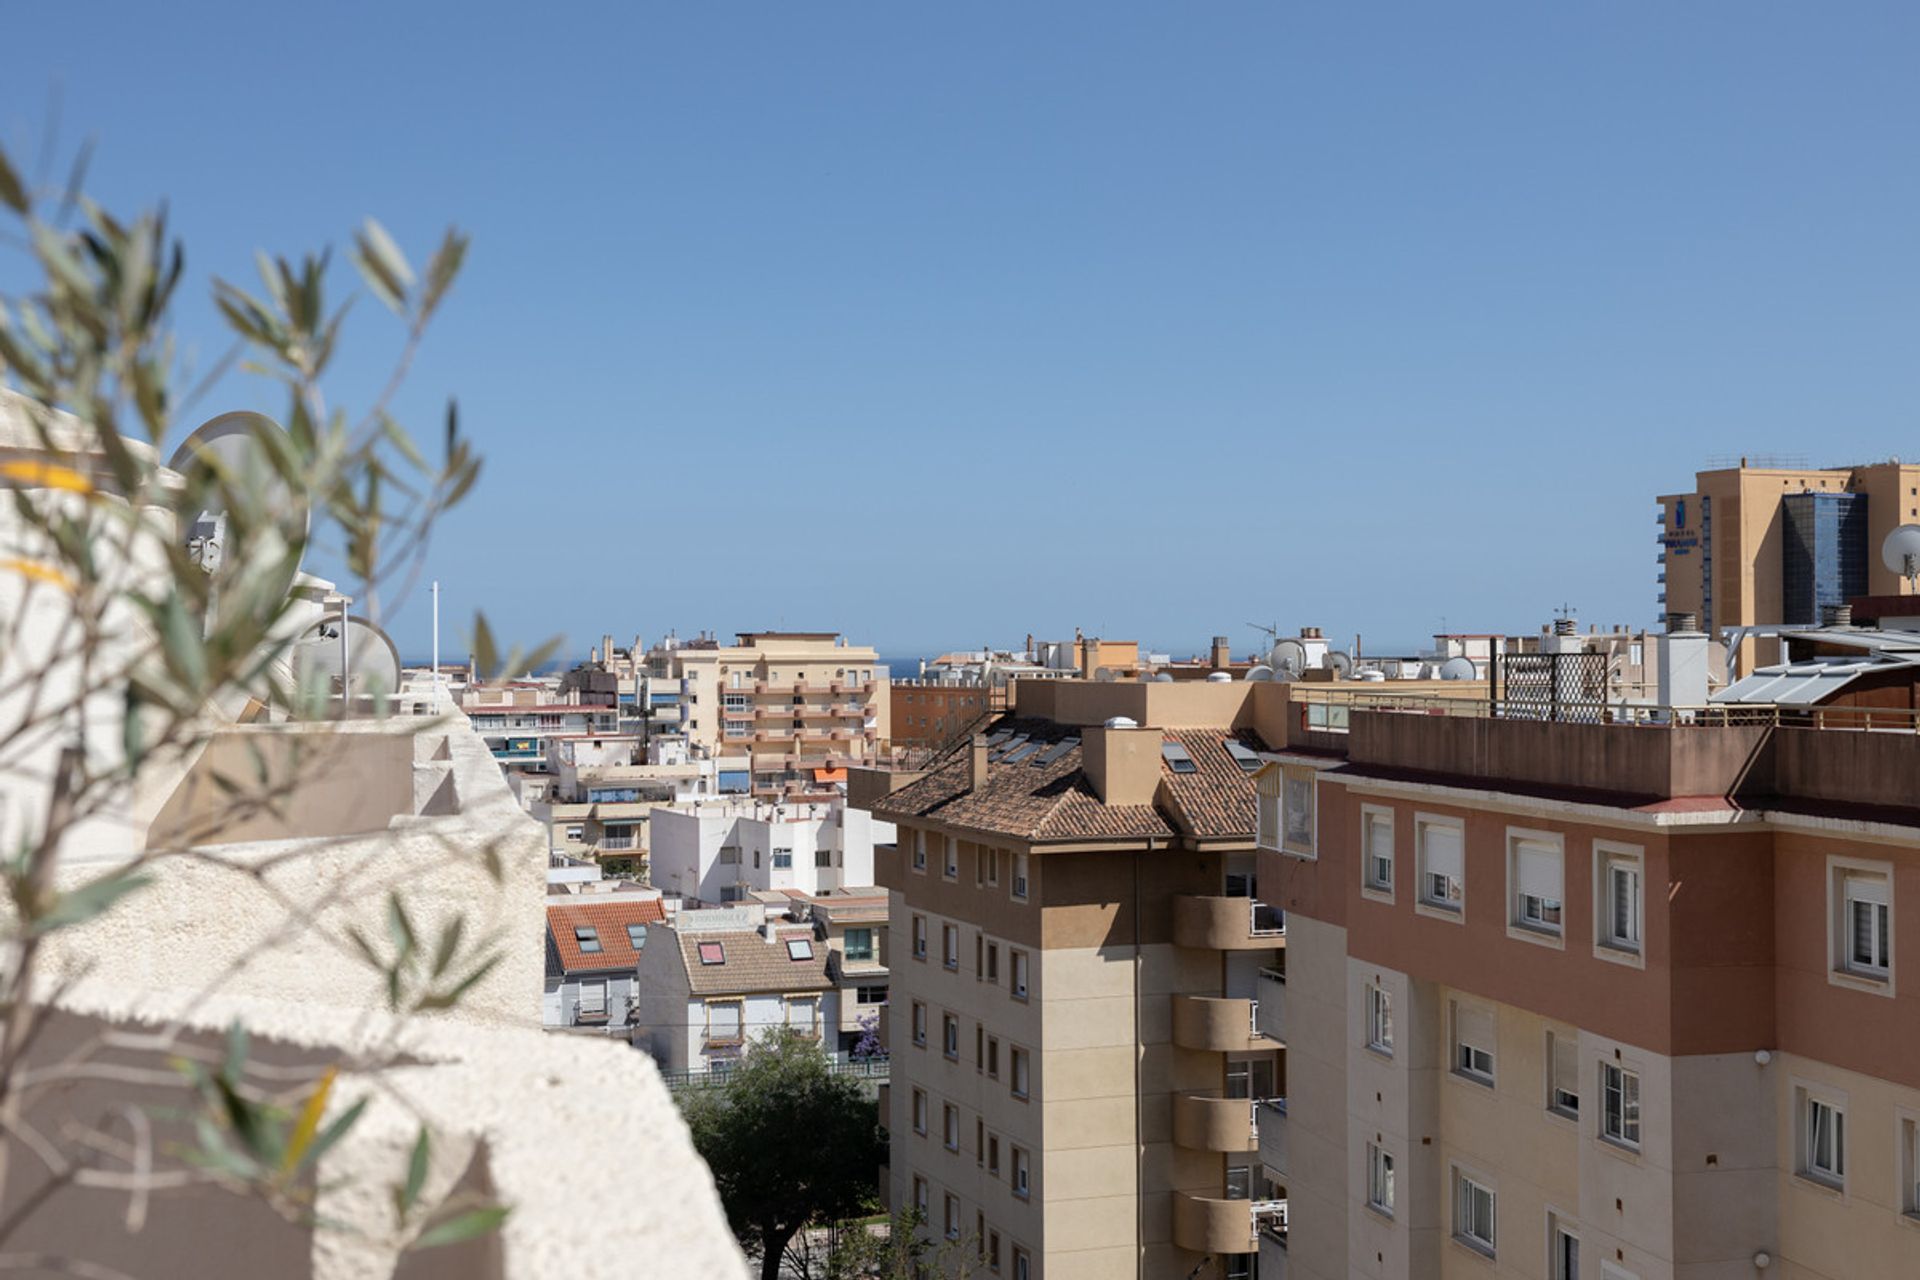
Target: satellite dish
(1288, 659)
(1163, 678)
(1260, 673)
(240, 449)
(370, 656)
(1338, 663)
(1216, 677)
(1901, 553)
(1105, 675)
(1458, 669)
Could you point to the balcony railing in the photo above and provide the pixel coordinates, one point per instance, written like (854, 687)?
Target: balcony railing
(1226, 923)
(873, 1067)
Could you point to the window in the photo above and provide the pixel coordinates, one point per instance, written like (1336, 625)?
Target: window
(920, 1024)
(1910, 1167)
(1022, 1173)
(950, 1126)
(729, 855)
(1620, 901)
(1867, 917)
(713, 953)
(950, 868)
(1267, 824)
(920, 1195)
(993, 1154)
(723, 1021)
(992, 858)
(588, 939)
(870, 995)
(950, 1036)
(1296, 811)
(1823, 1155)
(1563, 1257)
(993, 1251)
(799, 949)
(1620, 1105)
(1020, 876)
(803, 1015)
(993, 962)
(979, 1046)
(919, 1112)
(950, 945)
(859, 943)
(919, 851)
(1379, 1020)
(993, 1057)
(980, 1235)
(1020, 1082)
(1378, 863)
(636, 936)
(1379, 1180)
(593, 999)
(576, 832)
(1534, 870)
(1018, 959)
(1442, 868)
(1563, 1074)
(1022, 1264)
(1473, 1223)
(919, 937)
(1473, 1043)
(979, 1141)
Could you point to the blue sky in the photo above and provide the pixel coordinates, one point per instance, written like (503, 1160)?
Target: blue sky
(940, 324)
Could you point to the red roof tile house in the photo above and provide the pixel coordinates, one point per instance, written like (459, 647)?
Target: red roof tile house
(592, 949)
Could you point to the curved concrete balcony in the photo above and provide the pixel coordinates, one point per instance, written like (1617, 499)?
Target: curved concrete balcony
(1218, 1023)
(1206, 1225)
(1214, 1124)
(1226, 924)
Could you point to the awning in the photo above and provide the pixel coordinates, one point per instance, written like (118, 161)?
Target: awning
(829, 775)
(1799, 683)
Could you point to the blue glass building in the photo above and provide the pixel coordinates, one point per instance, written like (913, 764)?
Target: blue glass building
(1824, 561)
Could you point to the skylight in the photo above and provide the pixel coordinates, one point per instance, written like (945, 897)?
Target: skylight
(1055, 751)
(588, 937)
(1175, 754)
(799, 948)
(1243, 755)
(1008, 747)
(636, 936)
(1020, 753)
(713, 953)
(998, 736)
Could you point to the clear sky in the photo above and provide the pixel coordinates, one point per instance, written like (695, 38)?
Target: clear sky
(942, 323)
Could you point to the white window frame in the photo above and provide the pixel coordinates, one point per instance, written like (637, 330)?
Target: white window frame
(1425, 900)
(920, 1112)
(950, 858)
(1869, 882)
(1022, 1173)
(1379, 1009)
(1019, 888)
(1534, 918)
(1465, 1070)
(1608, 945)
(950, 1126)
(1375, 817)
(1309, 777)
(1019, 975)
(919, 850)
(918, 1029)
(1620, 1123)
(1267, 822)
(1828, 1170)
(1559, 1228)
(1379, 1180)
(919, 937)
(950, 946)
(1907, 1162)
(1557, 1041)
(1466, 1216)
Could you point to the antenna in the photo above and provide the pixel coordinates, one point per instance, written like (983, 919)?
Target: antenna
(355, 658)
(235, 453)
(1901, 554)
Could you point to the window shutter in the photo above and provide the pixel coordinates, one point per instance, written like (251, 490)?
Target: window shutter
(1863, 888)
(1443, 851)
(1380, 838)
(1474, 1026)
(1536, 869)
(1566, 1064)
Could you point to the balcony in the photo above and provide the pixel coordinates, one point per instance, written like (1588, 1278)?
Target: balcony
(1202, 1123)
(1203, 1224)
(1272, 1015)
(1218, 1024)
(1273, 1242)
(1226, 924)
(1271, 1120)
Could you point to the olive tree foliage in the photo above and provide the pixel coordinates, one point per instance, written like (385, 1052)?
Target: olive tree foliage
(145, 640)
(792, 1146)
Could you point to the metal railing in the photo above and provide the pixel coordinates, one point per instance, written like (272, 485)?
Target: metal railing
(1328, 710)
(875, 1067)
(1269, 1216)
(1264, 921)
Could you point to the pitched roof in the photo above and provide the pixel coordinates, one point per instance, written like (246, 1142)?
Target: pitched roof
(609, 921)
(1029, 800)
(752, 963)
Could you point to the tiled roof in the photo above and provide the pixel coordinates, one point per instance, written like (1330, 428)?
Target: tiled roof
(753, 963)
(609, 920)
(1055, 801)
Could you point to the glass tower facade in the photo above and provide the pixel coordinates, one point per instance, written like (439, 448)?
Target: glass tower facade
(1824, 561)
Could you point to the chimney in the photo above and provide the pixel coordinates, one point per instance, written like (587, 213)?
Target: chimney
(1836, 615)
(1222, 653)
(1681, 622)
(1681, 678)
(1122, 761)
(978, 753)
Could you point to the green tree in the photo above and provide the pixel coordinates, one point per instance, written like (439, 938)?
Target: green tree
(901, 1249)
(791, 1145)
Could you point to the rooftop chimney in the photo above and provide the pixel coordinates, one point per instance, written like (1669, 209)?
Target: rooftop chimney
(978, 752)
(1222, 653)
(1122, 763)
(1836, 615)
(1681, 677)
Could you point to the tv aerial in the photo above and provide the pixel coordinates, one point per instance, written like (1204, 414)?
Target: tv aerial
(1901, 554)
(234, 453)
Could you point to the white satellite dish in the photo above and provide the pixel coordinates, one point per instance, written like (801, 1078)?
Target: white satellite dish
(1458, 669)
(239, 448)
(1163, 678)
(1288, 659)
(1215, 677)
(1338, 663)
(1901, 553)
(1105, 675)
(369, 655)
(1260, 673)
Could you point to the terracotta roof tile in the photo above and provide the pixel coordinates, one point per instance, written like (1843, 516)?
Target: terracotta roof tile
(609, 920)
(752, 963)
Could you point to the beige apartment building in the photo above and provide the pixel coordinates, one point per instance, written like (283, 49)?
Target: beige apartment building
(801, 704)
(1077, 1074)
(1618, 1001)
(1764, 545)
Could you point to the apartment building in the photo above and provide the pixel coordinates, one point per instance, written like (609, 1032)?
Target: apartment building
(1773, 545)
(852, 925)
(719, 851)
(592, 950)
(1077, 939)
(792, 701)
(1616, 1000)
(600, 792)
(517, 731)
